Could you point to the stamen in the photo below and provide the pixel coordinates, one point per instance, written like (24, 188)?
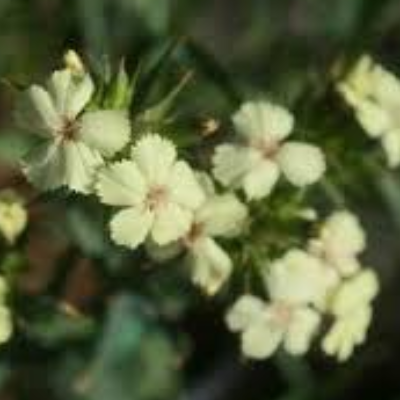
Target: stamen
(69, 128)
(156, 197)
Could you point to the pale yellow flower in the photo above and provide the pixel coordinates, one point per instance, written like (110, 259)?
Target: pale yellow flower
(157, 193)
(265, 326)
(72, 143)
(262, 155)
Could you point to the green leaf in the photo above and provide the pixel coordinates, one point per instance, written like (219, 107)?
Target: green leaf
(160, 111)
(53, 324)
(13, 146)
(134, 358)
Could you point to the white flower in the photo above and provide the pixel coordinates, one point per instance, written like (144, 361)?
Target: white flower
(73, 143)
(218, 216)
(264, 326)
(374, 94)
(340, 242)
(6, 327)
(157, 192)
(256, 163)
(351, 307)
(295, 283)
(13, 218)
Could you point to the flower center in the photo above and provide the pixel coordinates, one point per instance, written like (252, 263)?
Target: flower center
(283, 313)
(268, 149)
(156, 197)
(69, 128)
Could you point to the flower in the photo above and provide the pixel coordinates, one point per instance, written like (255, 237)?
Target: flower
(256, 163)
(340, 242)
(295, 282)
(218, 216)
(6, 327)
(157, 193)
(72, 143)
(264, 326)
(351, 307)
(374, 94)
(13, 217)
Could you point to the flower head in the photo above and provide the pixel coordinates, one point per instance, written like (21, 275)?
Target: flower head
(73, 143)
(374, 94)
(295, 283)
(264, 326)
(157, 194)
(256, 163)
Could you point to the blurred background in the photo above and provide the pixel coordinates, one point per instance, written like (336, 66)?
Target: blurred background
(162, 340)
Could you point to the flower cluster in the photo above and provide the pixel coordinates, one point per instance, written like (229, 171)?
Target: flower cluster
(303, 286)
(159, 200)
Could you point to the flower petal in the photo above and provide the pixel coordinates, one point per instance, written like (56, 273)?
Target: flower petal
(59, 86)
(297, 277)
(222, 215)
(301, 330)
(107, 131)
(232, 162)
(346, 333)
(263, 120)
(261, 180)
(154, 156)
(121, 184)
(70, 92)
(184, 188)
(6, 327)
(81, 165)
(131, 226)
(80, 93)
(261, 340)
(391, 146)
(171, 223)
(355, 293)
(373, 118)
(210, 263)
(246, 311)
(36, 112)
(44, 166)
(301, 163)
